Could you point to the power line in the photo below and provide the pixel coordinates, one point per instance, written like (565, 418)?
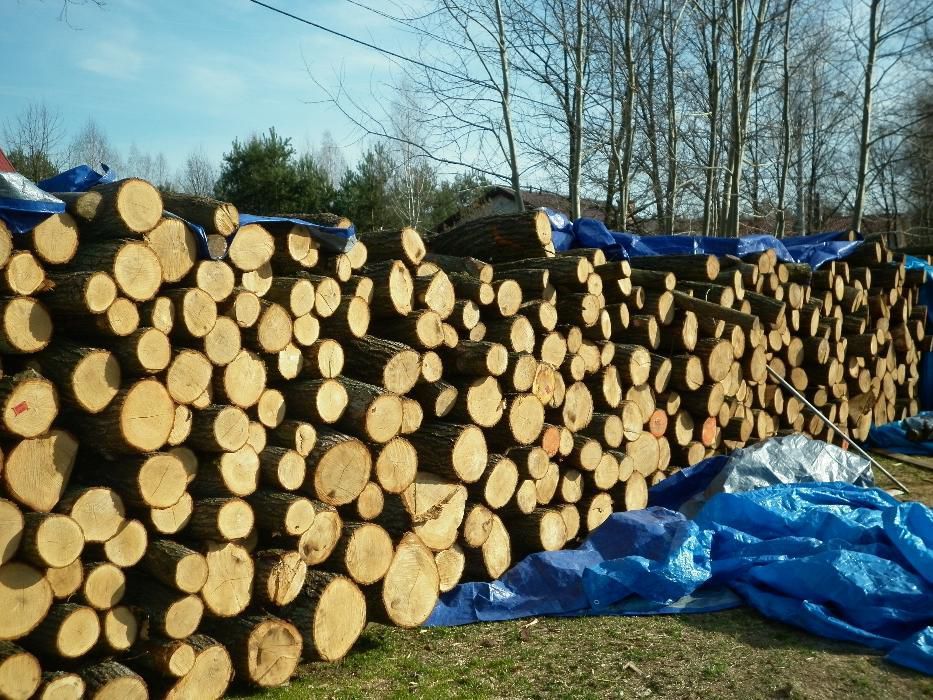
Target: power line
(393, 54)
(368, 45)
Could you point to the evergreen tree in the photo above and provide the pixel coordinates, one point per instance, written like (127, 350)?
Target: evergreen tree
(364, 191)
(260, 176)
(314, 191)
(36, 166)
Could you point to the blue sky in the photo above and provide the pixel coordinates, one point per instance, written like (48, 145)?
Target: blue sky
(176, 75)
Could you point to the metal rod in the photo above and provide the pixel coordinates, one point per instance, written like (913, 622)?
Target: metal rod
(835, 428)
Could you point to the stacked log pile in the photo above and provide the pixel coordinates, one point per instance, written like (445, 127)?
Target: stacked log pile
(219, 467)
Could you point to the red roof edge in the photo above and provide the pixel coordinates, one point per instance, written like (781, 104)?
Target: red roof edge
(5, 165)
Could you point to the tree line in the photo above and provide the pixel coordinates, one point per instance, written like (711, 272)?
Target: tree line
(711, 115)
(262, 174)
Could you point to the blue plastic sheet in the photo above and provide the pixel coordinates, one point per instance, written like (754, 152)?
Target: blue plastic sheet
(893, 436)
(23, 206)
(842, 561)
(337, 240)
(814, 249)
(78, 179)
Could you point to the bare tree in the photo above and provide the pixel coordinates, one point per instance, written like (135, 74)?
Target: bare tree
(553, 49)
(894, 29)
(33, 138)
(413, 177)
(329, 156)
(91, 146)
(199, 176)
(784, 148)
(462, 73)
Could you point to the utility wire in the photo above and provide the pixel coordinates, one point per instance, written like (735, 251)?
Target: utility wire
(393, 54)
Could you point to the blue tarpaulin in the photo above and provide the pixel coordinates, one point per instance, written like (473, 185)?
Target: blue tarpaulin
(337, 240)
(893, 437)
(78, 179)
(32, 206)
(814, 249)
(842, 561)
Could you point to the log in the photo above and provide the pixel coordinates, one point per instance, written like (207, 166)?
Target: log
(65, 581)
(69, 631)
(219, 429)
(104, 585)
(265, 650)
(50, 540)
(209, 677)
(403, 244)
(175, 246)
(138, 419)
(133, 265)
(454, 451)
(396, 464)
(36, 471)
(26, 326)
(371, 411)
(61, 685)
(29, 404)
(230, 570)
(251, 247)
(318, 541)
(54, 240)
(20, 673)
(498, 483)
(364, 553)
(279, 576)
(342, 467)
(502, 238)
(119, 630)
(410, 588)
(175, 565)
(220, 519)
(111, 680)
(480, 401)
(494, 557)
(450, 564)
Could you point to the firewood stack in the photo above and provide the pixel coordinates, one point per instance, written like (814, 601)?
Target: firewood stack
(217, 468)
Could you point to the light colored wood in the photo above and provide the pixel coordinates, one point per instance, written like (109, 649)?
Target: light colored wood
(61, 685)
(26, 326)
(50, 540)
(104, 585)
(342, 468)
(210, 675)
(230, 571)
(410, 588)
(110, 680)
(37, 470)
(20, 672)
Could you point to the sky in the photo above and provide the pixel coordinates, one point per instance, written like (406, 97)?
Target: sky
(172, 76)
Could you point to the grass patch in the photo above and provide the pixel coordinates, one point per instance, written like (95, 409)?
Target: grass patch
(729, 654)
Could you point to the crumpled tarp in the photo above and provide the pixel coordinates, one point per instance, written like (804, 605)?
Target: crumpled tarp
(814, 249)
(78, 179)
(23, 205)
(842, 561)
(333, 238)
(791, 459)
(893, 437)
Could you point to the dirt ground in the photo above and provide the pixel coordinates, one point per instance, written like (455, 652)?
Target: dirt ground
(733, 654)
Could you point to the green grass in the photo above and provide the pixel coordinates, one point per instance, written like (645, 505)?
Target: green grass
(733, 654)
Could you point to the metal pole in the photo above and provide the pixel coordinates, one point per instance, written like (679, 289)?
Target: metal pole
(836, 429)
